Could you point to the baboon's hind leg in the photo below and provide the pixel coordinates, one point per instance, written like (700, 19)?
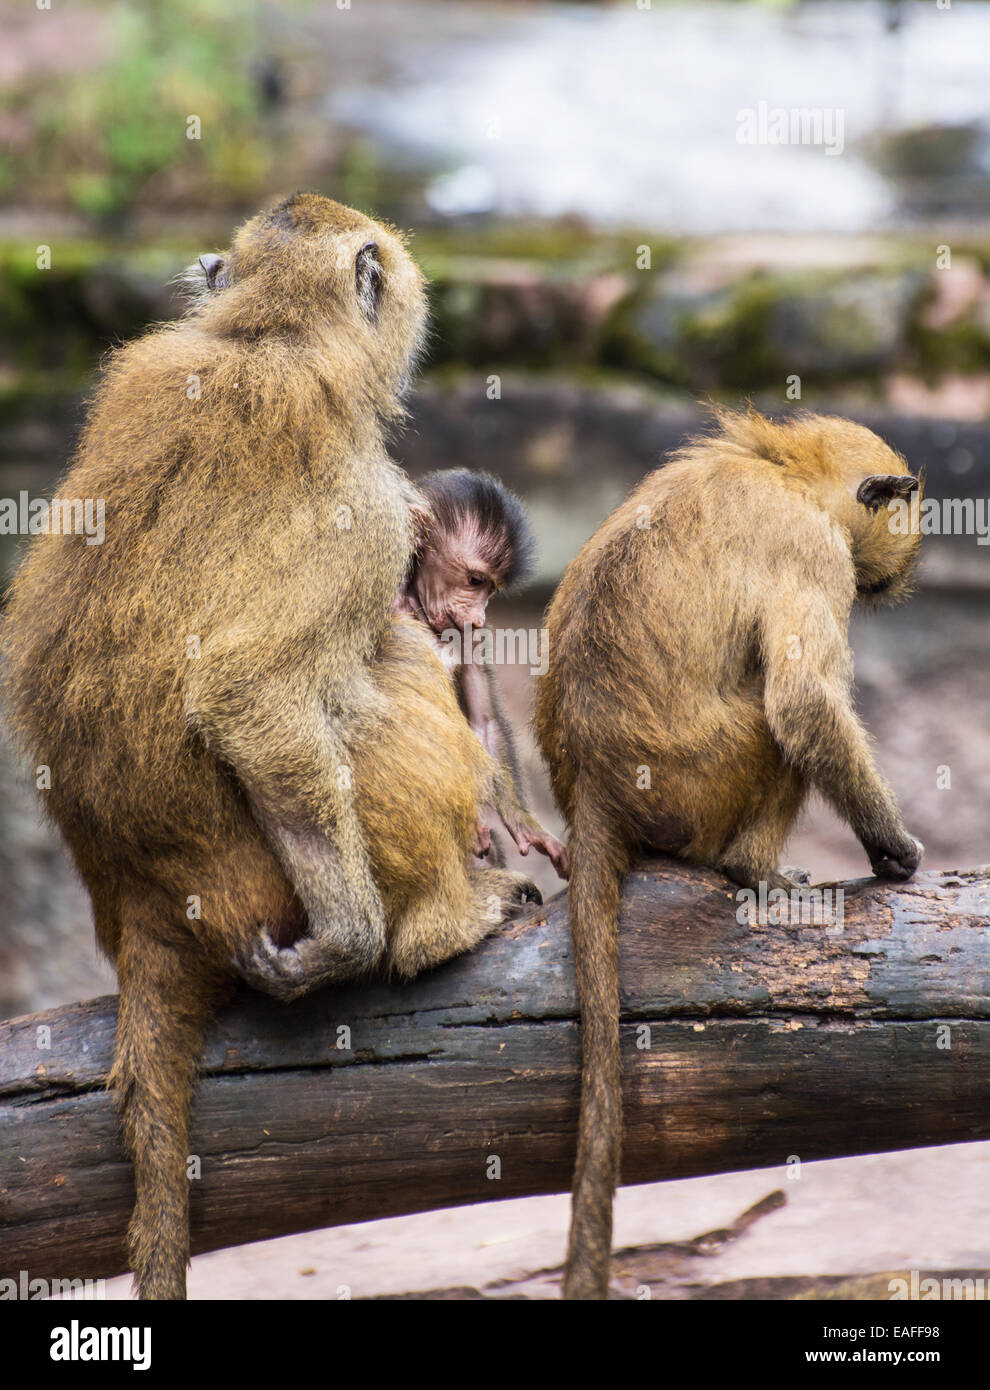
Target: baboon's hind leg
(752, 855)
(438, 927)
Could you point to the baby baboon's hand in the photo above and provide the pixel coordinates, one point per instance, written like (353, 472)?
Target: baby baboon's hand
(896, 860)
(547, 844)
(484, 840)
(556, 852)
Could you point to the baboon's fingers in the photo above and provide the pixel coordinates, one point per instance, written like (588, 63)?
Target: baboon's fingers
(561, 865)
(556, 853)
(894, 869)
(899, 862)
(547, 844)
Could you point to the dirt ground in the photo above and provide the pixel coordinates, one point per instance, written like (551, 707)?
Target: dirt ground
(927, 1209)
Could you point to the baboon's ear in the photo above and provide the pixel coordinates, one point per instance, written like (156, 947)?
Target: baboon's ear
(877, 490)
(212, 267)
(368, 279)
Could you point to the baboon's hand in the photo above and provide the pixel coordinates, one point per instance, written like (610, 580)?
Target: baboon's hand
(546, 843)
(484, 840)
(556, 852)
(896, 860)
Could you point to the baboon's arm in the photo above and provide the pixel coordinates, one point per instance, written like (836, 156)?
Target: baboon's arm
(289, 755)
(524, 828)
(483, 708)
(506, 746)
(475, 683)
(807, 698)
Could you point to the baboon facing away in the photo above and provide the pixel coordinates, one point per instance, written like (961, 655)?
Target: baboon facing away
(259, 769)
(701, 634)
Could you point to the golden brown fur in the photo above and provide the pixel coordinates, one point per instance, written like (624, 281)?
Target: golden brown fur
(432, 899)
(243, 739)
(702, 633)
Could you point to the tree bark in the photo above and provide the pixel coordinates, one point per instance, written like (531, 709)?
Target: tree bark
(744, 1045)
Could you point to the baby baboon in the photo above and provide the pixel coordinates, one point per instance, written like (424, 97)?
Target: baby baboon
(258, 768)
(477, 540)
(701, 634)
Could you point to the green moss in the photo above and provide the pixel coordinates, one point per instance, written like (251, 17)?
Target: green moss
(517, 295)
(723, 340)
(963, 347)
(95, 293)
(624, 348)
(756, 331)
(566, 246)
(729, 343)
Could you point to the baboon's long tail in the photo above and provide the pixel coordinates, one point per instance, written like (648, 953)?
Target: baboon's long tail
(164, 1006)
(599, 861)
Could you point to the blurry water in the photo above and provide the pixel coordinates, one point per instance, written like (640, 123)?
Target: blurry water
(626, 115)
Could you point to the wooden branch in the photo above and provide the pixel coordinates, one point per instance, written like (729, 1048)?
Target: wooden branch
(743, 1044)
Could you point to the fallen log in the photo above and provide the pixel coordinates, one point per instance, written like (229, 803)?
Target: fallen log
(745, 1044)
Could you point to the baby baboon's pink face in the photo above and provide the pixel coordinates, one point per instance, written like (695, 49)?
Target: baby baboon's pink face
(453, 585)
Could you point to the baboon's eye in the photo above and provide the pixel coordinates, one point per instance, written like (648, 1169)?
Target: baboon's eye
(368, 279)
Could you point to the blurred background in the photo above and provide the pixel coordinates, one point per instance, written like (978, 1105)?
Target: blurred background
(615, 233)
